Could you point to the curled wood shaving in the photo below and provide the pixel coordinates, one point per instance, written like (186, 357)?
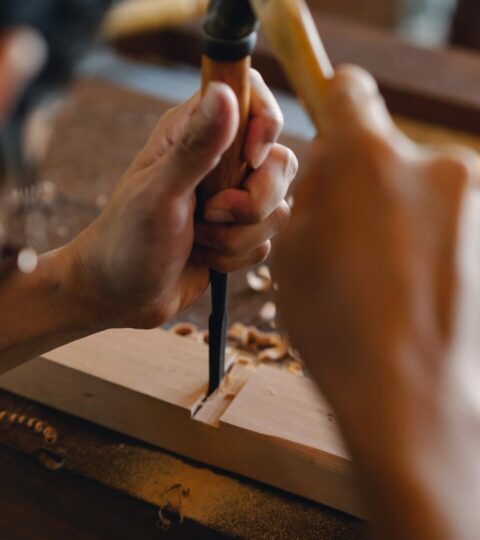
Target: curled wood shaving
(171, 509)
(244, 360)
(268, 312)
(274, 354)
(249, 346)
(240, 333)
(53, 461)
(184, 329)
(264, 339)
(48, 433)
(259, 280)
(295, 367)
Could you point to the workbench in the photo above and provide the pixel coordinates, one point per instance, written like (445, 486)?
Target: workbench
(94, 483)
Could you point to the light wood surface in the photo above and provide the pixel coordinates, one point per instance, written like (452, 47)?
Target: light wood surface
(266, 424)
(138, 16)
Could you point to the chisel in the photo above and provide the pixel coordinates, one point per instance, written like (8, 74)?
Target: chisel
(229, 38)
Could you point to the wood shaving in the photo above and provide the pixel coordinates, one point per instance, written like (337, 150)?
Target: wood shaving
(274, 354)
(243, 360)
(295, 367)
(249, 346)
(259, 280)
(240, 333)
(184, 329)
(48, 433)
(268, 312)
(264, 339)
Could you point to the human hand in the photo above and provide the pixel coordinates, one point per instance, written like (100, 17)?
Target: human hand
(379, 288)
(145, 258)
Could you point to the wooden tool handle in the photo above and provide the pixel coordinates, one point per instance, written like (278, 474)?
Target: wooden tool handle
(294, 39)
(232, 169)
(140, 16)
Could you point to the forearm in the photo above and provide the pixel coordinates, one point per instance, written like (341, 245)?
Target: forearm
(42, 310)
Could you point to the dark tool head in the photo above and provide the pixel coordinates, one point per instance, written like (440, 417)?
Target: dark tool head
(229, 30)
(68, 28)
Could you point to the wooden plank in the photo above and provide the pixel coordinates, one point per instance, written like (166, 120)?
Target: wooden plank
(378, 12)
(288, 430)
(441, 85)
(149, 384)
(146, 474)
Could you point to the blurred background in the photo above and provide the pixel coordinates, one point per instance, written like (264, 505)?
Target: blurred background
(425, 22)
(423, 53)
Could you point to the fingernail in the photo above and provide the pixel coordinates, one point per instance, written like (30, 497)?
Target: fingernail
(219, 216)
(211, 103)
(27, 52)
(261, 155)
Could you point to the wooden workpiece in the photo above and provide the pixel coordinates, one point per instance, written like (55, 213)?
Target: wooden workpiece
(107, 486)
(150, 385)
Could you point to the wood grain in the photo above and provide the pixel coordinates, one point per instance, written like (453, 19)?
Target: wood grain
(232, 168)
(149, 385)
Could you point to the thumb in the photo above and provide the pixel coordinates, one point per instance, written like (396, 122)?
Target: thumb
(206, 136)
(354, 103)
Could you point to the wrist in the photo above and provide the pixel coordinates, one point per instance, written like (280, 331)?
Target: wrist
(74, 300)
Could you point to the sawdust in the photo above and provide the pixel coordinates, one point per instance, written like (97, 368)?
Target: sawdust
(230, 506)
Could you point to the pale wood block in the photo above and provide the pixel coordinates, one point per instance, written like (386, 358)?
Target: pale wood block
(266, 424)
(283, 432)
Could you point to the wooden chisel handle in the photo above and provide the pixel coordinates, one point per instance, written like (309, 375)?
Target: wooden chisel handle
(232, 169)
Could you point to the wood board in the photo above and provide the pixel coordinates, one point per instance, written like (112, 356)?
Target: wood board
(266, 424)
